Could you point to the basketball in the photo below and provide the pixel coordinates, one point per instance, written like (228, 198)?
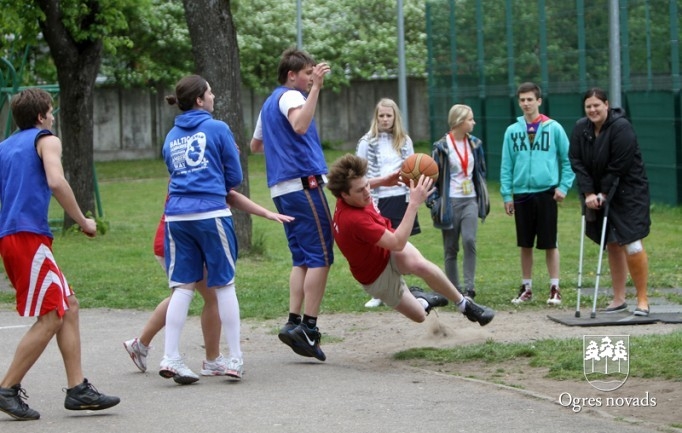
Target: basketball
(416, 165)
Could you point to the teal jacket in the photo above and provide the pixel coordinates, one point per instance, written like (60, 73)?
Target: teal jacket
(534, 167)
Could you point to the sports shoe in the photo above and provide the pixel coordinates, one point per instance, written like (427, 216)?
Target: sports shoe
(137, 353)
(217, 367)
(176, 369)
(13, 404)
(554, 296)
(373, 303)
(86, 397)
(286, 338)
(307, 340)
(477, 313)
(431, 298)
(470, 293)
(525, 295)
(235, 368)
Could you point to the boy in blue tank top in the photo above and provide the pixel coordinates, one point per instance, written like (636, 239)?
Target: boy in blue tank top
(296, 174)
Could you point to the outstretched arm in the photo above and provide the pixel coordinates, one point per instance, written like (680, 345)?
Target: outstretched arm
(239, 201)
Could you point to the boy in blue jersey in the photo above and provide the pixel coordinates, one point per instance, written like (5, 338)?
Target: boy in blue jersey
(296, 170)
(535, 175)
(31, 173)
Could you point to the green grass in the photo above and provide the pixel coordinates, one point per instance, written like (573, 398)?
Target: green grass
(118, 270)
(562, 358)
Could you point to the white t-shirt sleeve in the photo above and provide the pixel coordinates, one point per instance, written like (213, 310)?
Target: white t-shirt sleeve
(290, 99)
(258, 129)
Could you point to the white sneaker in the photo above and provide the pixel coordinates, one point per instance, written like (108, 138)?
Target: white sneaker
(525, 295)
(176, 369)
(137, 352)
(235, 368)
(217, 367)
(373, 303)
(554, 296)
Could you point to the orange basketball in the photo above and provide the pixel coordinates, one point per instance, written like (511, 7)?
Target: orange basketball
(416, 165)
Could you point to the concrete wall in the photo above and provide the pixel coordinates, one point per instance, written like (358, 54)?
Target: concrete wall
(131, 124)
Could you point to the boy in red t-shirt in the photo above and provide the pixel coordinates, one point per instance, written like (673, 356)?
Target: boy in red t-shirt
(379, 255)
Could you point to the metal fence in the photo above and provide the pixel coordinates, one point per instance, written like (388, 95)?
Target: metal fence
(479, 51)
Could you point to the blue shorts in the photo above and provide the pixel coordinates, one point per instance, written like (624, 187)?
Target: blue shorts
(191, 245)
(310, 235)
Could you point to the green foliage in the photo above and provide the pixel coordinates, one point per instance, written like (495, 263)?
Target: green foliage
(147, 42)
(23, 44)
(160, 51)
(95, 20)
(102, 225)
(358, 39)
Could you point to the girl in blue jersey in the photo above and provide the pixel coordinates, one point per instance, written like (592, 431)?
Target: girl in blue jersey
(203, 162)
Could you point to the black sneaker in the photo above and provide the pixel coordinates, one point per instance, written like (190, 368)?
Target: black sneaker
(286, 338)
(470, 293)
(308, 341)
(12, 403)
(431, 298)
(478, 313)
(86, 397)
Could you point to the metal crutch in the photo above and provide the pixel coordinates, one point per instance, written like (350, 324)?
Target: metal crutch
(593, 314)
(580, 262)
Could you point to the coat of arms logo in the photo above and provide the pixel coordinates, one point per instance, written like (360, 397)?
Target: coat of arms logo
(606, 360)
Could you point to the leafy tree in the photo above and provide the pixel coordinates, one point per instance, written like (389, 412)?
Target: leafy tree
(77, 34)
(160, 48)
(358, 38)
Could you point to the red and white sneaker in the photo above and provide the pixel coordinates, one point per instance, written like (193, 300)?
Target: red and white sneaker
(525, 295)
(554, 296)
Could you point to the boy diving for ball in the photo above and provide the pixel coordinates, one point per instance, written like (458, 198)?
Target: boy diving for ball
(380, 255)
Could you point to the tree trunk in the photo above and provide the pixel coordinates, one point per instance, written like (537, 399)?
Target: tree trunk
(77, 67)
(216, 56)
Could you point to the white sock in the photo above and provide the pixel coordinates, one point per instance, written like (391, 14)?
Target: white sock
(175, 320)
(528, 283)
(423, 302)
(554, 282)
(462, 305)
(228, 308)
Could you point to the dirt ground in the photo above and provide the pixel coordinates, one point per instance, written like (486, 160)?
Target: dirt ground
(369, 340)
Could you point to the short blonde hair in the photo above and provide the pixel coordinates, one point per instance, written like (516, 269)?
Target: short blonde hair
(458, 114)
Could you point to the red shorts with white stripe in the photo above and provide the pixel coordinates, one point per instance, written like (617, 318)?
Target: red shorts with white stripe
(30, 266)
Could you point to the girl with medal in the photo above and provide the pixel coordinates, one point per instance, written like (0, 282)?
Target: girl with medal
(461, 196)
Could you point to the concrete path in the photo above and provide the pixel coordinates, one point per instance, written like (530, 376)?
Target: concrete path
(281, 392)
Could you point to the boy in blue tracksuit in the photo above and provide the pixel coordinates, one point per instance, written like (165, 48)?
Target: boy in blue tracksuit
(535, 174)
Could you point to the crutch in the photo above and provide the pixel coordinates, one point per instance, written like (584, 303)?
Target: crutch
(593, 314)
(580, 262)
